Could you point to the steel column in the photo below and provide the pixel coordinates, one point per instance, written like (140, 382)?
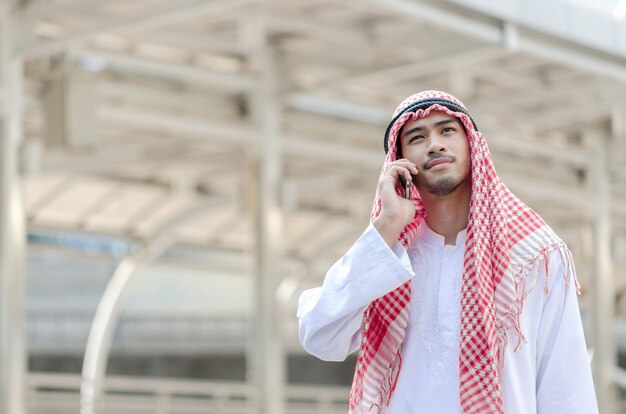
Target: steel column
(267, 359)
(603, 309)
(12, 228)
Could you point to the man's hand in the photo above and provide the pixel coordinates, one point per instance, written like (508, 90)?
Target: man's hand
(396, 211)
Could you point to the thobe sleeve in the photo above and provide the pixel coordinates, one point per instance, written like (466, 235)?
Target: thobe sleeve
(330, 316)
(564, 382)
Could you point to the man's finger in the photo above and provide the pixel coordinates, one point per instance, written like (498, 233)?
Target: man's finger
(406, 163)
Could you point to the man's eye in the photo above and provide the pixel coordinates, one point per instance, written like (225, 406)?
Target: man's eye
(416, 138)
(448, 129)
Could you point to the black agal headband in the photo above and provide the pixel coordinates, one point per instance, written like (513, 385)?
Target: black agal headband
(424, 104)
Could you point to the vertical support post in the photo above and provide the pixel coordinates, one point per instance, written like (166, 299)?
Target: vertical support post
(266, 356)
(12, 227)
(101, 334)
(108, 311)
(604, 354)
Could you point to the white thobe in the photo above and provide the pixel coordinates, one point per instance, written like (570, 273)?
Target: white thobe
(549, 374)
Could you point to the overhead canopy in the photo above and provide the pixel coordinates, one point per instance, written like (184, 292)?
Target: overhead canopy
(154, 99)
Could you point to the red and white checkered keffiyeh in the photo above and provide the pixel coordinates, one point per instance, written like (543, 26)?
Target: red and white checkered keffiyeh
(505, 238)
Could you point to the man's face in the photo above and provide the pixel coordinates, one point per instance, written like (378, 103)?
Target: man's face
(438, 145)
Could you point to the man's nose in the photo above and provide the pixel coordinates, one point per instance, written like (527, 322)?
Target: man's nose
(436, 146)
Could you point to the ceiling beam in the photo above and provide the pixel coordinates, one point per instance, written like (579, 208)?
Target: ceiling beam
(497, 32)
(171, 71)
(564, 196)
(426, 67)
(176, 12)
(196, 42)
(37, 10)
(280, 22)
(429, 13)
(338, 108)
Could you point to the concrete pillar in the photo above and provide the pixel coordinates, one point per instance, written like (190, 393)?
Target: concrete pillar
(603, 289)
(266, 362)
(12, 228)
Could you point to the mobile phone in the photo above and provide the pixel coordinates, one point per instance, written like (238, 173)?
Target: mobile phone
(407, 187)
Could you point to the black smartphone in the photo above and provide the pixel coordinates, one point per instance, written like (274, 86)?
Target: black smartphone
(407, 187)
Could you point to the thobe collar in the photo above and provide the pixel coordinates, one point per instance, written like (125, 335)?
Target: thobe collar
(426, 234)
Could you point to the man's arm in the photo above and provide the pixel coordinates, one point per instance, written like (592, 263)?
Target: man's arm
(564, 381)
(330, 317)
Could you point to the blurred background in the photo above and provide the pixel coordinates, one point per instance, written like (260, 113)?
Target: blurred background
(174, 174)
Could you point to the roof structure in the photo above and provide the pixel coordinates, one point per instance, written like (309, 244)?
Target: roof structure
(149, 116)
(156, 102)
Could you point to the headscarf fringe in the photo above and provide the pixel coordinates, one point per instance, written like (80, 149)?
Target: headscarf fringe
(503, 341)
(523, 288)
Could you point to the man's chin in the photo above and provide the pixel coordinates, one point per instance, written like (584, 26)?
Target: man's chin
(443, 186)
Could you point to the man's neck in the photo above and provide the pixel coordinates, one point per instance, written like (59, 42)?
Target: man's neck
(448, 215)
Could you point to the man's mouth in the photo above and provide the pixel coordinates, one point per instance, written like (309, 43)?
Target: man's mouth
(438, 161)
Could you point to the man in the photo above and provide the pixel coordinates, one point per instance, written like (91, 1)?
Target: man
(459, 298)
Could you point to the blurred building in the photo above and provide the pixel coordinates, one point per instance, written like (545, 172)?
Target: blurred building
(202, 162)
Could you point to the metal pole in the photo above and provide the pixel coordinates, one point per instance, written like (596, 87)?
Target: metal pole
(12, 227)
(107, 313)
(604, 354)
(266, 367)
(100, 334)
